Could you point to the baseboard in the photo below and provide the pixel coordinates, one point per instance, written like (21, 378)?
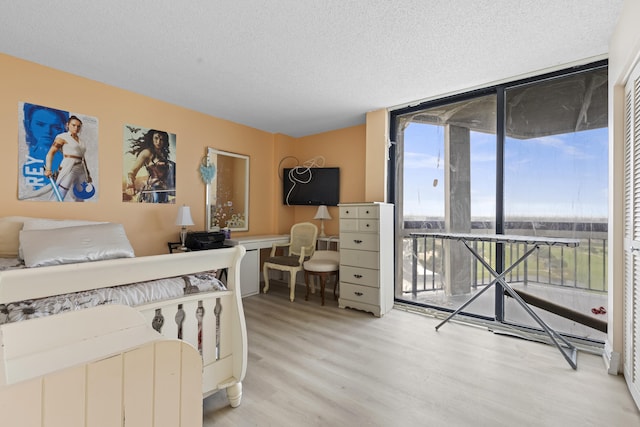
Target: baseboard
(611, 359)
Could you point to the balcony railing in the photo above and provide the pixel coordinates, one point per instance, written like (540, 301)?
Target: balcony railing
(582, 267)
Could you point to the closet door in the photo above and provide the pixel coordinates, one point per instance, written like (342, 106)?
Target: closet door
(632, 235)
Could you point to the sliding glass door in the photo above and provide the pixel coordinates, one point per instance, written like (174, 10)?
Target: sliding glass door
(555, 185)
(527, 158)
(448, 183)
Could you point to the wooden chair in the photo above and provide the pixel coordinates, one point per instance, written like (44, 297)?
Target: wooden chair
(302, 244)
(323, 264)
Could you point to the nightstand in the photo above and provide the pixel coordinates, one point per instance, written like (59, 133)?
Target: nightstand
(175, 247)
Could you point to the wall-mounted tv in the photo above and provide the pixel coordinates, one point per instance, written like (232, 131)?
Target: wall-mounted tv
(311, 186)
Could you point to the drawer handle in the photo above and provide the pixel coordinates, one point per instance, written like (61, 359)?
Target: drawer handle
(346, 211)
(367, 225)
(367, 211)
(358, 276)
(357, 241)
(358, 294)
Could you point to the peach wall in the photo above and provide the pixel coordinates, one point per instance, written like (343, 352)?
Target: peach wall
(343, 148)
(149, 226)
(377, 153)
(285, 145)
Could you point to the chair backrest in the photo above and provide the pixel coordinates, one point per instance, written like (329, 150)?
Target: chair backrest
(303, 234)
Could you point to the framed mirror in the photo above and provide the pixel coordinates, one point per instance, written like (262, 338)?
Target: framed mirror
(227, 194)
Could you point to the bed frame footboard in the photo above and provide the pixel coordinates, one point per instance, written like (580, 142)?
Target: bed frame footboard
(211, 322)
(113, 373)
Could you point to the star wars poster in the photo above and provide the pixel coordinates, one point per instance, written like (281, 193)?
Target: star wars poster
(149, 166)
(57, 155)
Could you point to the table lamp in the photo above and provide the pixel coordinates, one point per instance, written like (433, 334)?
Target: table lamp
(322, 214)
(183, 220)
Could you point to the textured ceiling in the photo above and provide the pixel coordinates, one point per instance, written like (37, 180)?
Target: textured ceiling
(301, 67)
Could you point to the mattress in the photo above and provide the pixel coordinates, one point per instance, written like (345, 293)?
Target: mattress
(131, 294)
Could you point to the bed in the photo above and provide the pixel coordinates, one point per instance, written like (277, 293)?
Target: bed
(61, 260)
(102, 366)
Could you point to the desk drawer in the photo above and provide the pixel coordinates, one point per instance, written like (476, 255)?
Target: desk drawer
(360, 276)
(360, 241)
(363, 294)
(366, 259)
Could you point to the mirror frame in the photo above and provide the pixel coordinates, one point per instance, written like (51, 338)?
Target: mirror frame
(210, 204)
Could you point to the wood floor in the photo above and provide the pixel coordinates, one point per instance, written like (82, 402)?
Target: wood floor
(323, 366)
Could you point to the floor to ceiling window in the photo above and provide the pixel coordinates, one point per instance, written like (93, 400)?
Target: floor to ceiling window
(524, 158)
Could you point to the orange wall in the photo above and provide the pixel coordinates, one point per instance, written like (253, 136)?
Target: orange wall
(343, 148)
(150, 226)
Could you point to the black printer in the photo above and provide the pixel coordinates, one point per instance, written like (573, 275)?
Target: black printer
(203, 240)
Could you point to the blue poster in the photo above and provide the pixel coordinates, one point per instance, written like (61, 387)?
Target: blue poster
(57, 155)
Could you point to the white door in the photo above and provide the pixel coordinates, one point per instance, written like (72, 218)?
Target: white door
(631, 365)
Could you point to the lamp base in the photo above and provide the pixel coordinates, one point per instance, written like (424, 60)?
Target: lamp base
(322, 229)
(183, 238)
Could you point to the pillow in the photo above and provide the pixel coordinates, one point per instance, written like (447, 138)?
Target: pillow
(75, 244)
(48, 224)
(9, 237)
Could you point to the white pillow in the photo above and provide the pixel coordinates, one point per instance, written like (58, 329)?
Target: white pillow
(48, 224)
(75, 244)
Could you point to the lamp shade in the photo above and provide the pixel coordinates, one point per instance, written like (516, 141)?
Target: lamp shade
(322, 213)
(184, 216)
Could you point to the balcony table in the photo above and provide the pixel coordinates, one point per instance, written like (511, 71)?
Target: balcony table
(533, 243)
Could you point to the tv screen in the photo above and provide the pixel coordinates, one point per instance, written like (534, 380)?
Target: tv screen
(311, 186)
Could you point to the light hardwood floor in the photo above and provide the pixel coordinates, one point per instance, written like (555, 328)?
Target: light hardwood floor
(323, 366)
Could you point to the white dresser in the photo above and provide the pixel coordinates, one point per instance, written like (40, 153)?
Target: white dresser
(366, 257)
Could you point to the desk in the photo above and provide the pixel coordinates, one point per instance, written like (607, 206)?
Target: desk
(250, 266)
(569, 351)
(324, 243)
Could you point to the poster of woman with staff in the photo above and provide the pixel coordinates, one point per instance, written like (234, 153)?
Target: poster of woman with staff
(57, 155)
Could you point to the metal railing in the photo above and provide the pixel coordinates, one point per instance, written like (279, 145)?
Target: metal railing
(582, 267)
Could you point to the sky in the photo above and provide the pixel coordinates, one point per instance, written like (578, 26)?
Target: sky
(560, 176)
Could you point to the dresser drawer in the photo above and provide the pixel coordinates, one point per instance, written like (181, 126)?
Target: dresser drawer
(368, 212)
(348, 212)
(361, 241)
(362, 212)
(366, 225)
(363, 294)
(360, 276)
(355, 258)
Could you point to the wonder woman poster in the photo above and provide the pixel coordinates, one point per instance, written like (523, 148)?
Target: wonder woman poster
(149, 166)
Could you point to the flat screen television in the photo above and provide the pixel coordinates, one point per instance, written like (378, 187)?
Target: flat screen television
(311, 186)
